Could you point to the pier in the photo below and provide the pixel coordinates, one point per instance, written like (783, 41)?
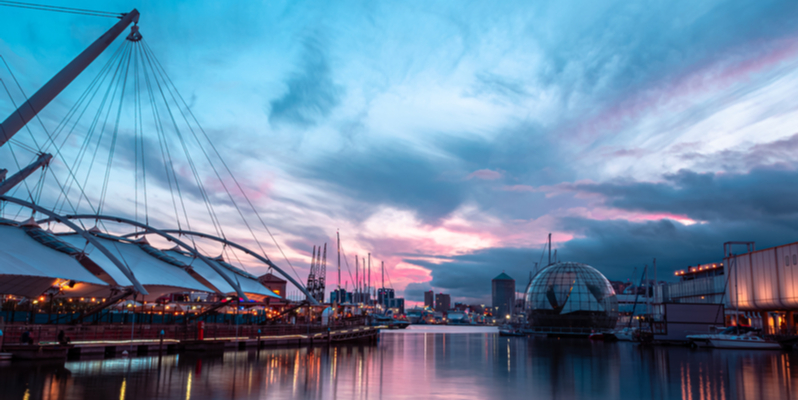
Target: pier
(112, 341)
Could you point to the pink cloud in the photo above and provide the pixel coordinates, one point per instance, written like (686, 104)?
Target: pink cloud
(486, 174)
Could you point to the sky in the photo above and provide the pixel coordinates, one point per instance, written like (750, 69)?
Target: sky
(447, 139)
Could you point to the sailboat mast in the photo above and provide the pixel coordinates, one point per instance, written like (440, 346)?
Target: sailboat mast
(369, 276)
(363, 276)
(357, 285)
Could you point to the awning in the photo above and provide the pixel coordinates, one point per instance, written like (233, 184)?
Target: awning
(158, 276)
(28, 267)
(249, 284)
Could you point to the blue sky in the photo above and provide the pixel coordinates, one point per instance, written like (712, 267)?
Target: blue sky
(448, 139)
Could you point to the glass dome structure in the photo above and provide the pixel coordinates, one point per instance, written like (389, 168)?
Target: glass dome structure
(568, 294)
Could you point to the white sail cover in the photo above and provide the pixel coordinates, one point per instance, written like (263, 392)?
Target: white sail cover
(28, 268)
(157, 276)
(249, 284)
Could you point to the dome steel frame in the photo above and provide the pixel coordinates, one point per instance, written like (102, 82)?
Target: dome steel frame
(574, 295)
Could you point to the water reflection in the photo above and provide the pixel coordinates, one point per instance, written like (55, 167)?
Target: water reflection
(420, 364)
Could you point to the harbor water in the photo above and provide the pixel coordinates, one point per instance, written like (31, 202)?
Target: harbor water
(421, 362)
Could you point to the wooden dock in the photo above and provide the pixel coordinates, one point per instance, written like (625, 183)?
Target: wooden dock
(114, 348)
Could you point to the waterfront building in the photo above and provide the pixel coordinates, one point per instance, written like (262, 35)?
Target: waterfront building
(442, 303)
(757, 288)
(341, 296)
(503, 293)
(397, 305)
(385, 295)
(569, 294)
(274, 283)
(429, 299)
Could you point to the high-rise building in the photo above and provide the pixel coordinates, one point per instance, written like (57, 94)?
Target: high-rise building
(503, 294)
(341, 296)
(398, 304)
(442, 302)
(385, 295)
(429, 299)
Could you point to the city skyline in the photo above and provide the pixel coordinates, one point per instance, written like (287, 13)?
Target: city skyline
(448, 140)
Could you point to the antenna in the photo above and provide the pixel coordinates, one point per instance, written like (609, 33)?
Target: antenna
(549, 243)
(339, 261)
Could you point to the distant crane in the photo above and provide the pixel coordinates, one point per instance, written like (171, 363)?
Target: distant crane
(316, 274)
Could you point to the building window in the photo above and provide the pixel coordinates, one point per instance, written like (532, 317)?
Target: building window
(787, 261)
(795, 259)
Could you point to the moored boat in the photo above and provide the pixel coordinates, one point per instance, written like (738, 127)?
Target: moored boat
(734, 338)
(510, 331)
(625, 334)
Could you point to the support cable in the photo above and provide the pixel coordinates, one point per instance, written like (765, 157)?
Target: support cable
(209, 206)
(108, 95)
(95, 84)
(101, 77)
(67, 10)
(111, 151)
(244, 194)
(157, 119)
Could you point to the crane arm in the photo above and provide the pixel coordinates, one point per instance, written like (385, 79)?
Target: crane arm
(8, 184)
(59, 82)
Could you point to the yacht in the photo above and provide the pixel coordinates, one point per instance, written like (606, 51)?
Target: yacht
(734, 337)
(415, 315)
(626, 334)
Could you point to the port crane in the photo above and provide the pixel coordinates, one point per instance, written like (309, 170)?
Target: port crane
(316, 274)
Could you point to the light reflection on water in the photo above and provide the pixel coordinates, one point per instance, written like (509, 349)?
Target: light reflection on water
(421, 362)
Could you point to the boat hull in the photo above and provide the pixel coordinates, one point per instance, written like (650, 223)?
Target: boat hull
(743, 344)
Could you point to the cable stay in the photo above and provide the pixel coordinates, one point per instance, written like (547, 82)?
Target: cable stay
(140, 135)
(67, 10)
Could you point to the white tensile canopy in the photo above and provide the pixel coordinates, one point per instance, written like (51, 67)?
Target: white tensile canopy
(157, 276)
(28, 267)
(249, 284)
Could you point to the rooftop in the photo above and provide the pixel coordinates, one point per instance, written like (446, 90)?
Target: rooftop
(503, 277)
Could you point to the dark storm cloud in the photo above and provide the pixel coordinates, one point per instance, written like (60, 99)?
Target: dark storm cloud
(763, 193)
(615, 247)
(758, 206)
(311, 95)
(469, 276)
(394, 176)
(781, 152)
(415, 291)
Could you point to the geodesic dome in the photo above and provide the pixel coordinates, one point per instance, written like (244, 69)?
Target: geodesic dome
(569, 294)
